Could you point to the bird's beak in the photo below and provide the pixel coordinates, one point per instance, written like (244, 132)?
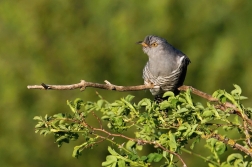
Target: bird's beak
(142, 43)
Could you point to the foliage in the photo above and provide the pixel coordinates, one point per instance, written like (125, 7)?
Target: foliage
(62, 42)
(168, 127)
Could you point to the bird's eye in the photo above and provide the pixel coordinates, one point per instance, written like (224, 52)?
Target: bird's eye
(154, 44)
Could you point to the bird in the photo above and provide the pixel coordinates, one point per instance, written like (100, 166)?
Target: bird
(166, 68)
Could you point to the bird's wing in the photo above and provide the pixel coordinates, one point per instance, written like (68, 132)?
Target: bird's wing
(174, 75)
(174, 79)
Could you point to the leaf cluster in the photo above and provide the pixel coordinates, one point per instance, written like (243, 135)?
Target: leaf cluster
(168, 126)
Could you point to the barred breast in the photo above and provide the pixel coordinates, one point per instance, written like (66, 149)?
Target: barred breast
(170, 82)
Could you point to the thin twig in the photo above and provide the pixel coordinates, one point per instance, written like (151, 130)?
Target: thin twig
(198, 92)
(139, 141)
(200, 156)
(232, 143)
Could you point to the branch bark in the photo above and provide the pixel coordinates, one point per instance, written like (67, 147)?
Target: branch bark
(108, 86)
(83, 84)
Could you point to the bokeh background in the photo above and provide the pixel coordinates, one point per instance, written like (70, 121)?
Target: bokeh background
(62, 42)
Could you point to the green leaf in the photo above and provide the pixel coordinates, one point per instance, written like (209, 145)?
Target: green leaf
(46, 117)
(182, 110)
(165, 153)
(229, 96)
(234, 157)
(211, 142)
(105, 117)
(99, 104)
(78, 103)
(130, 144)
(61, 138)
(110, 161)
(242, 98)
(112, 151)
(224, 164)
(39, 125)
(208, 113)
(168, 94)
(71, 105)
(172, 142)
(220, 147)
(237, 89)
(164, 104)
(239, 163)
(211, 165)
(128, 104)
(193, 127)
(116, 104)
(38, 118)
(195, 141)
(78, 149)
(121, 163)
(182, 100)
(144, 158)
(134, 157)
(158, 157)
(189, 97)
(129, 98)
(63, 127)
(59, 115)
(236, 120)
(139, 147)
(55, 130)
(183, 127)
(219, 94)
(144, 102)
(43, 132)
(89, 106)
(154, 157)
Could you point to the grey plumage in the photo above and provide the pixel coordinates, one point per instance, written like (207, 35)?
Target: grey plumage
(167, 66)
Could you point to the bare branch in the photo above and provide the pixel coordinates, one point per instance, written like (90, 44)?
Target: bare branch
(232, 143)
(83, 84)
(108, 86)
(198, 92)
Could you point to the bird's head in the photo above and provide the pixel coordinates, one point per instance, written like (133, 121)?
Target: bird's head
(153, 44)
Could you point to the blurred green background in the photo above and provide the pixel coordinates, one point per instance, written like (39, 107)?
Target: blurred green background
(62, 42)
